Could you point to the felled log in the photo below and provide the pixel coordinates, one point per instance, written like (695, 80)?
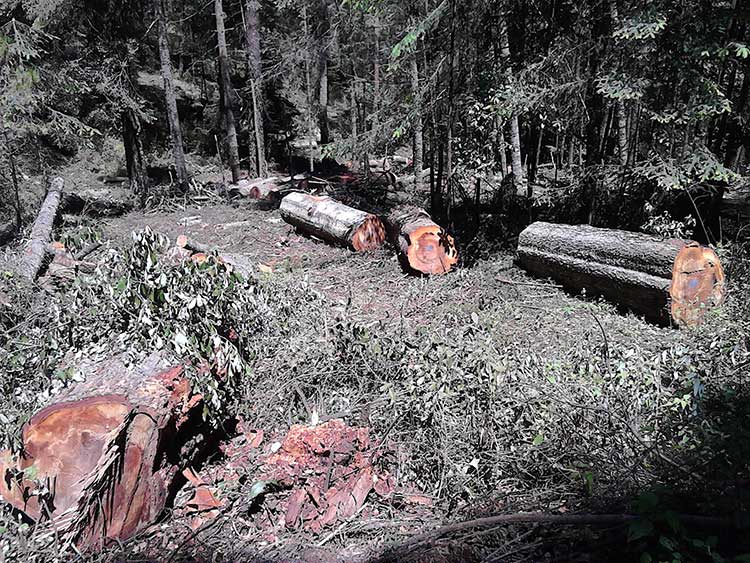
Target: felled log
(7, 230)
(424, 246)
(408, 181)
(100, 459)
(736, 204)
(635, 270)
(36, 248)
(98, 202)
(333, 221)
(198, 252)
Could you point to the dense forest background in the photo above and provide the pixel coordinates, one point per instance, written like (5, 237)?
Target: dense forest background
(622, 100)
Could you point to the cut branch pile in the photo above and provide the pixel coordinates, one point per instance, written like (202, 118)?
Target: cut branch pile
(424, 246)
(99, 458)
(327, 472)
(632, 269)
(333, 221)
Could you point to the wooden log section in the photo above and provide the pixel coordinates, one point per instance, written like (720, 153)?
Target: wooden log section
(635, 270)
(424, 246)
(333, 221)
(35, 250)
(105, 450)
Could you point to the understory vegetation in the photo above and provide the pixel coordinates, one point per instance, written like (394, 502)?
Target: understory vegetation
(475, 411)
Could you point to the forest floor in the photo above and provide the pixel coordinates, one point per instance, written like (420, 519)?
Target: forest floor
(581, 402)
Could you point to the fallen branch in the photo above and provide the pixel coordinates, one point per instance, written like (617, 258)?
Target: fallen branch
(543, 518)
(36, 248)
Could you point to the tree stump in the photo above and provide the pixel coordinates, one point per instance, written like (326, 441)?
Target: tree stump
(423, 245)
(104, 451)
(333, 221)
(635, 270)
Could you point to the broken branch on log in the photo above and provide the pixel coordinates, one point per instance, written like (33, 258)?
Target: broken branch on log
(635, 270)
(36, 248)
(424, 246)
(333, 221)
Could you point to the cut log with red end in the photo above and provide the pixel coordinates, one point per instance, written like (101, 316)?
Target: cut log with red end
(631, 269)
(333, 221)
(697, 284)
(104, 449)
(423, 244)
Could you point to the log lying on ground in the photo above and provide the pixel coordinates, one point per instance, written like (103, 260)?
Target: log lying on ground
(333, 221)
(36, 248)
(7, 230)
(105, 450)
(635, 270)
(98, 202)
(198, 252)
(424, 246)
(736, 204)
(408, 181)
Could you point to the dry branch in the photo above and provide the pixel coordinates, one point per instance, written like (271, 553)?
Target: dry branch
(36, 248)
(632, 269)
(424, 246)
(333, 221)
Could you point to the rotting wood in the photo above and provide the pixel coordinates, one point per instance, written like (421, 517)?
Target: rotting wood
(424, 246)
(632, 269)
(35, 250)
(103, 450)
(333, 221)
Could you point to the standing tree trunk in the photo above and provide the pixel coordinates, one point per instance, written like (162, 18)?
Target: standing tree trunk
(620, 110)
(308, 94)
(255, 68)
(131, 136)
(515, 134)
(173, 117)
(230, 128)
(418, 140)
(323, 39)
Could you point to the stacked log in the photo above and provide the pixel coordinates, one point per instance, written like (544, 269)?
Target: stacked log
(635, 270)
(423, 245)
(333, 221)
(41, 232)
(104, 450)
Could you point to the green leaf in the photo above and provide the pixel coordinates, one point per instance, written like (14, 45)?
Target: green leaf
(538, 439)
(639, 529)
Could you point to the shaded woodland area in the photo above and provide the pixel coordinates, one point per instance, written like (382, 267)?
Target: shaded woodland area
(366, 280)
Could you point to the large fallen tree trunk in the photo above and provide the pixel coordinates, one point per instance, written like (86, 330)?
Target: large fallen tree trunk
(333, 221)
(100, 459)
(36, 248)
(635, 270)
(736, 204)
(424, 246)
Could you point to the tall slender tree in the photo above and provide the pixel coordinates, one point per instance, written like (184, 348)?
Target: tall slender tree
(255, 68)
(178, 150)
(230, 128)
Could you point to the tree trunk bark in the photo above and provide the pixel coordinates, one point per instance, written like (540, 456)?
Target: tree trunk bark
(106, 449)
(178, 150)
(254, 64)
(323, 39)
(230, 128)
(632, 269)
(516, 161)
(423, 245)
(34, 252)
(136, 164)
(333, 221)
(418, 148)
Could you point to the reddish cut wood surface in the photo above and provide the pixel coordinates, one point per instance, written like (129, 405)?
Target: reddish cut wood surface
(431, 250)
(697, 284)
